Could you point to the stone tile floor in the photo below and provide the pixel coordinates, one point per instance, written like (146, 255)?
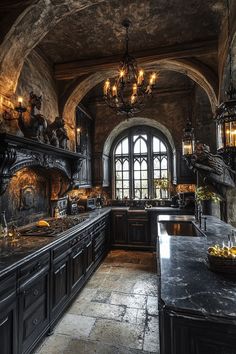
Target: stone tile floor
(115, 313)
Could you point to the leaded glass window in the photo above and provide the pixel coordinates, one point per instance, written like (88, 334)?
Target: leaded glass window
(140, 159)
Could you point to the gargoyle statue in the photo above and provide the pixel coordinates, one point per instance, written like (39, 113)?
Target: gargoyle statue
(56, 133)
(31, 124)
(211, 167)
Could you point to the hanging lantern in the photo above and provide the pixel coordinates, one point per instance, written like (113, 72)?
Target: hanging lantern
(226, 112)
(188, 140)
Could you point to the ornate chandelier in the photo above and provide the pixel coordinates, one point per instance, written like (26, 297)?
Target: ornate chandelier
(127, 93)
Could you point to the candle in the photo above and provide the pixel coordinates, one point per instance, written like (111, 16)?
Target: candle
(122, 73)
(133, 99)
(140, 77)
(135, 88)
(106, 87)
(152, 79)
(78, 136)
(114, 90)
(20, 100)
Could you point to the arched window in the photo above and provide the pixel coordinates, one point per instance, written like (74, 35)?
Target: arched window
(141, 165)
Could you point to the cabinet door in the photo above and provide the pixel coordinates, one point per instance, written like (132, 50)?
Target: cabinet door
(89, 254)
(119, 227)
(8, 330)
(137, 231)
(33, 310)
(60, 285)
(77, 268)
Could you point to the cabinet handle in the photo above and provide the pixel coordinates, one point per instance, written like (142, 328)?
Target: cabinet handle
(35, 321)
(36, 292)
(4, 321)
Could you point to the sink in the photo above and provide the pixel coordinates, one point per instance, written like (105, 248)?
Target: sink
(179, 228)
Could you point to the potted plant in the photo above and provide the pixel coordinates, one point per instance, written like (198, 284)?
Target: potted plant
(205, 197)
(163, 185)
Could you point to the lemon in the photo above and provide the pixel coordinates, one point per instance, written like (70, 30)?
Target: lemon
(42, 223)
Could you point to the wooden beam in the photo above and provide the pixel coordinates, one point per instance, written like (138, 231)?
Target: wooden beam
(71, 70)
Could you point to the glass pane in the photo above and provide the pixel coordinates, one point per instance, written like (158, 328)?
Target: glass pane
(144, 183)
(164, 173)
(126, 193)
(144, 165)
(136, 166)
(118, 184)
(144, 174)
(125, 146)
(143, 146)
(137, 146)
(118, 193)
(126, 184)
(137, 184)
(157, 174)
(118, 150)
(136, 174)
(137, 193)
(156, 144)
(144, 136)
(144, 193)
(118, 175)
(135, 137)
(163, 148)
(126, 175)
(164, 163)
(126, 165)
(118, 166)
(157, 165)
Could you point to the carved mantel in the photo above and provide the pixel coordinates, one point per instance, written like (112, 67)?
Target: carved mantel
(17, 153)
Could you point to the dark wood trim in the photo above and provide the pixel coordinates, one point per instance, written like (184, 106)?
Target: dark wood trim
(71, 70)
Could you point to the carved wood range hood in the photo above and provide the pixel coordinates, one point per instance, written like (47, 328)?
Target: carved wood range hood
(17, 153)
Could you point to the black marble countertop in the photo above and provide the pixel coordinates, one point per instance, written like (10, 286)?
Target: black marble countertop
(14, 253)
(186, 283)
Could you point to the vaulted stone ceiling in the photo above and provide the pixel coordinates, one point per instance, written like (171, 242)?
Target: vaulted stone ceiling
(97, 32)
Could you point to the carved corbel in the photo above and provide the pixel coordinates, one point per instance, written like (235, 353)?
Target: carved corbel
(7, 159)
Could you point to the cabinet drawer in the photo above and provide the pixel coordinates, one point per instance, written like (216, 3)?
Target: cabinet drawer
(7, 290)
(34, 320)
(32, 294)
(34, 267)
(61, 251)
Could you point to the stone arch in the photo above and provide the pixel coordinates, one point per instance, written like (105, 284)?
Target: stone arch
(198, 73)
(40, 17)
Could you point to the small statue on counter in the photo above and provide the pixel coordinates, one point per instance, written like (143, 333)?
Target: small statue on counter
(31, 124)
(56, 134)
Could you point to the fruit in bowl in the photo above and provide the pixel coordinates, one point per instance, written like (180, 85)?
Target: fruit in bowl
(223, 252)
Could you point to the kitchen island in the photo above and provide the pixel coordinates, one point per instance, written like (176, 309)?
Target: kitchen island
(197, 307)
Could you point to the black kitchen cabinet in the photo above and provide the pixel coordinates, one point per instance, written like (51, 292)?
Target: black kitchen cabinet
(89, 253)
(33, 302)
(119, 226)
(59, 286)
(138, 231)
(186, 333)
(77, 267)
(8, 315)
(130, 229)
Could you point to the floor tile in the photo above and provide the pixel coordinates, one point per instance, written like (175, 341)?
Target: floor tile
(151, 337)
(98, 310)
(75, 326)
(135, 316)
(118, 333)
(129, 300)
(152, 305)
(54, 344)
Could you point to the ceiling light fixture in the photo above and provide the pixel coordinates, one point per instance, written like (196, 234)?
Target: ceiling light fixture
(127, 93)
(226, 112)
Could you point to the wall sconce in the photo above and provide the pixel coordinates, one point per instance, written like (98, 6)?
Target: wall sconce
(188, 140)
(20, 108)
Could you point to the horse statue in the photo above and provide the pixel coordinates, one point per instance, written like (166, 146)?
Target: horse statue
(56, 133)
(31, 124)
